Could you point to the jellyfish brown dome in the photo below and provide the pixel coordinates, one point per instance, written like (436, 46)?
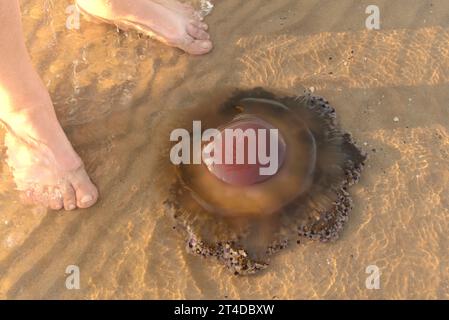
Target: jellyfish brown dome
(240, 217)
(253, 137)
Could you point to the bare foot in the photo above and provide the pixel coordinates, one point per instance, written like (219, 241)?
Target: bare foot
(173, 23)
(44, 165)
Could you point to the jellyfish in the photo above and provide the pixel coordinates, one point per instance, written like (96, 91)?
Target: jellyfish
(287, 177)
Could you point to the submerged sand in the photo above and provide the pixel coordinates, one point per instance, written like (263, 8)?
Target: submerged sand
(112, 90)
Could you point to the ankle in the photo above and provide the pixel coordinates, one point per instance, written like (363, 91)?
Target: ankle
(21, 111)
(23, 97)
(37, 123)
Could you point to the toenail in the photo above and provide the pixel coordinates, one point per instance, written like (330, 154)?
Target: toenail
(71, 207)
(86, 199)
(205, 45)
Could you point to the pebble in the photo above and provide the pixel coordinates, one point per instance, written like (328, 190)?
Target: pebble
(396, 119)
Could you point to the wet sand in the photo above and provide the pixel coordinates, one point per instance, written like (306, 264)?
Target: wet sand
(113, 91)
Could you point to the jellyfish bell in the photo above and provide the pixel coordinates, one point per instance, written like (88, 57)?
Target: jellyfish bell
(232, 189)
(305, 197)
(247, 151)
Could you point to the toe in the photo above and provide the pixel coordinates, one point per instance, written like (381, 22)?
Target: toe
(40, 197)
(202, 25)
(27, 197)
(199, 24)
(54, 198)
(55, 204)
(69, 198)
(197, 33)
(85, 191)
(196, 47)
(197, 16)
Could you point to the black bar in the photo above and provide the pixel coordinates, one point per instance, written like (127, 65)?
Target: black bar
(224, 309)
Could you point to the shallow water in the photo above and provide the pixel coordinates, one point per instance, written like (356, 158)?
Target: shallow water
(112, 90)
